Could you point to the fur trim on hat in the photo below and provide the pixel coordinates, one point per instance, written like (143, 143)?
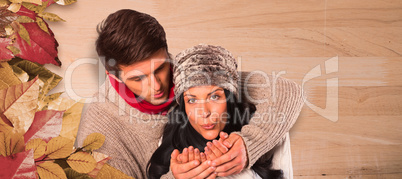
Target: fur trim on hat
(204, 65)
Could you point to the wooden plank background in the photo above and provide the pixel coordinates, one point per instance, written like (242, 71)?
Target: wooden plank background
(290, 36)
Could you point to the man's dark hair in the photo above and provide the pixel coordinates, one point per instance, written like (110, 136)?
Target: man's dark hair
(128, 36)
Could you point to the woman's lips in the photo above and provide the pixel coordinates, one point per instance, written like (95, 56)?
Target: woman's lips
(208, 126)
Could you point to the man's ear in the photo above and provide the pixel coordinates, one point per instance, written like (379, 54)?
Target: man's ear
(113, 76)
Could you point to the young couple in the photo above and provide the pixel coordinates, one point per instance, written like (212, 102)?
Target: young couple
(190, 117)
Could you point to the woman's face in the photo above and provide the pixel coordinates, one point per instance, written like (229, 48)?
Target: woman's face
(206, 110)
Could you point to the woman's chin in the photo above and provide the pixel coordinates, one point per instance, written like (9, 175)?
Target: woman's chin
(211, 135)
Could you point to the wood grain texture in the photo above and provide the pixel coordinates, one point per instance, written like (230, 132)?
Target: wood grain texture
(290, 38)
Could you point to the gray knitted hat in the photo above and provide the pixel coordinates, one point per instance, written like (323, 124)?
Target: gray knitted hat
(204, 65)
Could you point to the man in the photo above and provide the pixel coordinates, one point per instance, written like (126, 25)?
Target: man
(130, 108)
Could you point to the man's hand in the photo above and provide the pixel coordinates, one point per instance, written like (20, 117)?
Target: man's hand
(235, 160)
(182, 167)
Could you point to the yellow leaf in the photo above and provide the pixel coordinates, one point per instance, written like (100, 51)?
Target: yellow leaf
(24, 34)
(71, 121)
(42, 24)
(74, 174)
(24, 19)
(15, 1)
(21, 74)
(81, 162)
(38, 2)
(11, 143)
(30, 6)
(101, 160)
(13, 49)
(21, 102)
(50, 16)
(60, 104)
(108, 171)
(93, 141)
(38, 145)
(59, 147)
(14, 7)
(66, 2)
(50, 170)
(7, 77)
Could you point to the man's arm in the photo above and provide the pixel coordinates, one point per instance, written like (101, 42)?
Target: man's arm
(278, 104)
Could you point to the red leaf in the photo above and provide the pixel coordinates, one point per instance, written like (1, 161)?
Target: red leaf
(43, 48)
(19, 165)
(46, 125)
(5, 54)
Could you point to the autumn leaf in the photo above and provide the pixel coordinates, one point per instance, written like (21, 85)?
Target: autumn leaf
(24, 19)
(48, 79)
(66, 2)
(42, 103)
(38, 146)
(7, 77)
(81, 162)
(11, 143)
(93, 141)
(5, 53)
(108, 171)
(14, 7)
(19, 104)
(42, 24)
(50, 170)
(50, 17)
(5, 124)
(6, 17)
(71, 121)
(76, 175)
(101, 160)
(59, 147)
(21, 74)
(46, 125)
(20, 165)
(43, 46)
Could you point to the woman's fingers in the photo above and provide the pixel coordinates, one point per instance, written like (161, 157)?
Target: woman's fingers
(190, 153)
(184, 156)
(197, 155)
(219, 145)
(203, 157)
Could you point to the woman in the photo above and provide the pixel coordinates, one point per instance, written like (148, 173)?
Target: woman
(205, 79)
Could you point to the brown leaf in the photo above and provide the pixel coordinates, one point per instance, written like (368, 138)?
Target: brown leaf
(6, 17)
(11, 143)
(7, 77)
(50, 170)
(21, 74)
(19, 104)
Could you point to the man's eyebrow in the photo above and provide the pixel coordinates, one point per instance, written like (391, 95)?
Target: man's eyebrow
(160, 66)
(139, 76)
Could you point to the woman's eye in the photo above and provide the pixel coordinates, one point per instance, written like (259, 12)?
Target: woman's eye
(215, 97)
(191, 101)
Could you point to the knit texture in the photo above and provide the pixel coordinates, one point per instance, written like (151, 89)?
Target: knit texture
(132, 136)
(205, 65)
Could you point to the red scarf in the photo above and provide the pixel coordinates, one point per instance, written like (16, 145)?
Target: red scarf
(140, 104)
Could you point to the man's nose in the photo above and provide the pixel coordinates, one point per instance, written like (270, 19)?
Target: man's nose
(155, 83)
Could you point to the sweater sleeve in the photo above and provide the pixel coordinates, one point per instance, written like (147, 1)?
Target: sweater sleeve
(278, 104)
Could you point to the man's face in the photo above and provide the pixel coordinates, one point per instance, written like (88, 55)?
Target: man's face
(150, 78)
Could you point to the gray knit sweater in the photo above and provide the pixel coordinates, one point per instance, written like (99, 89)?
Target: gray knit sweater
(133, 136)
